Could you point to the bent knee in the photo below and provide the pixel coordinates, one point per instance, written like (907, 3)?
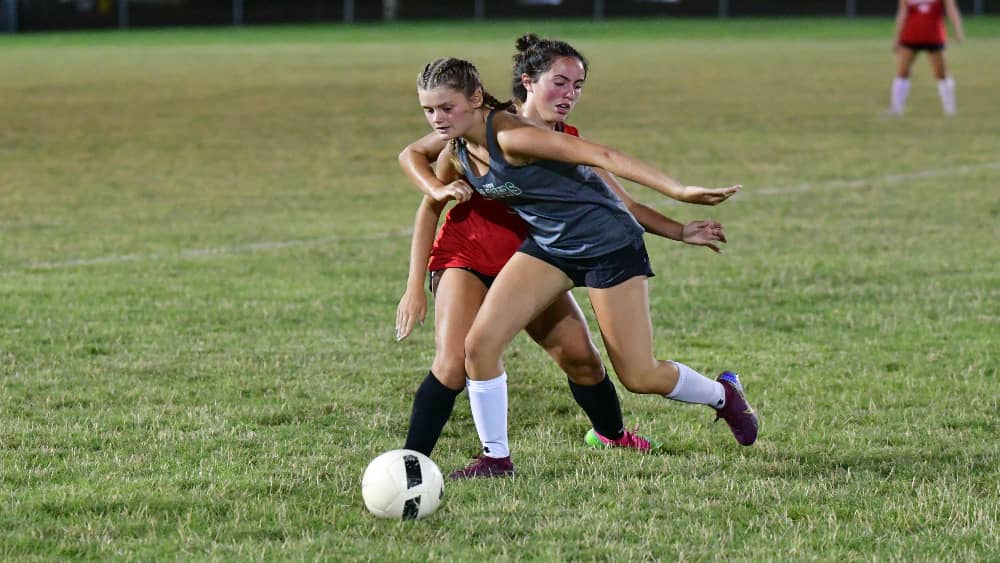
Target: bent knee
(481, 353)
(450, 370)
(583, 367)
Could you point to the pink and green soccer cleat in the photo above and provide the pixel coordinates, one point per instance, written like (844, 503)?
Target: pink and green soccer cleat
(630, 440)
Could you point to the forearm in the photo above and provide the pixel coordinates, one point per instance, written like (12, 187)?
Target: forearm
(418, 167)
(656, 223)
(956, 21)
(633, 169)
(424, 228)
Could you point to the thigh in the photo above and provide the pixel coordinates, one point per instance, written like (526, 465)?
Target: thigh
(561, 329)
(457, 300)
(524, 288)
(904, 60)
(937, 64)
(623, 316)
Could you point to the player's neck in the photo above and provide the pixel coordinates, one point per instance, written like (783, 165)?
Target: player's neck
(476, 135)
(530, 113)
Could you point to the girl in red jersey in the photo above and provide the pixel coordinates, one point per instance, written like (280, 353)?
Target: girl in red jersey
(477, 239)
(920, 27)
(580, 234)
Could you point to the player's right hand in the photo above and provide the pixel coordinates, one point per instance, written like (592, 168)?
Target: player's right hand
(708, 196)
(459, 190)
(411, 310)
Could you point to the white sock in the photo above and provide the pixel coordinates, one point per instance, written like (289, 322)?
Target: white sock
(900, 89)
(488, 400)
(946, 89)
(693, 387)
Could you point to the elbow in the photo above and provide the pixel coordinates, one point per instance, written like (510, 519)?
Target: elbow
(608, 158)
(405, 155)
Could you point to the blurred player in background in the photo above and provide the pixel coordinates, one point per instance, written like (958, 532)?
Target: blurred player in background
(920, 27)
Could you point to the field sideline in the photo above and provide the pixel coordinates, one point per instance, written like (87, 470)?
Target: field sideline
(205, 236)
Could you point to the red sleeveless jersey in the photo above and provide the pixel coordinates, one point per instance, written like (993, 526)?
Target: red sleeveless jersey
(481, 234)
(924, 22)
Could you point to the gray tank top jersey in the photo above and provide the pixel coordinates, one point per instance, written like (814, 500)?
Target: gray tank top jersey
(570, 211)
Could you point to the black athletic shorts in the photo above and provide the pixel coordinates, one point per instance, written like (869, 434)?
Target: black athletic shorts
(599, 272)
(434, 278)
(929, 47)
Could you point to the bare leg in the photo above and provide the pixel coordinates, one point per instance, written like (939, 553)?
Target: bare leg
(524, 288)
(561, 329)
(901, 84)
(904, 61)
(457, 299)
(458, 295)
(945, 85)
(937, 64)
(623, 315)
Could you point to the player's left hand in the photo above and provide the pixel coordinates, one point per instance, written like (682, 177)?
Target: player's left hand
(708, 196)
(704, 233)
(411, 310)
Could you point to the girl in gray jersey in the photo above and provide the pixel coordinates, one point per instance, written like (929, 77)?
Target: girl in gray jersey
(579, 235)
(547, 79)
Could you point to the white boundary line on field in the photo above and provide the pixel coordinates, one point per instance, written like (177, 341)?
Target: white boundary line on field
(888, 178)
(384, 235)
(218, 251)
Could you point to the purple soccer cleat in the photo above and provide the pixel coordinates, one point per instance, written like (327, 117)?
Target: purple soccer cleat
(737, 413)
(485, 466)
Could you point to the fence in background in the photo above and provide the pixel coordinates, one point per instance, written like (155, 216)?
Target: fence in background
(42, 15)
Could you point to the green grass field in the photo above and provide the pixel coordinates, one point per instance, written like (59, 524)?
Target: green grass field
(204, 238)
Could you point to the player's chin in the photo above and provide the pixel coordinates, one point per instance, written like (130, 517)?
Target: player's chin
(446, 133)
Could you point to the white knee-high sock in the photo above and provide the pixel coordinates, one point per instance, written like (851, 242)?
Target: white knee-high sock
(946, 90)
(693, 387)
(488, 400)
(900, 89)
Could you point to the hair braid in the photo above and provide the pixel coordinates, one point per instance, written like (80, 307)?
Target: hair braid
(458, 75)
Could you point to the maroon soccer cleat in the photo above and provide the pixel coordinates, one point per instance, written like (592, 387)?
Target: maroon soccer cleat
(485, 466)
(737, 413)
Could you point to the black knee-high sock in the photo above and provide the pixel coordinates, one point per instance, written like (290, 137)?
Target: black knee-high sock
(600, 402)
(432, 408)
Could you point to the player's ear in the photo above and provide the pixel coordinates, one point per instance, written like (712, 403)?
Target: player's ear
(526, 81)
(477, 98)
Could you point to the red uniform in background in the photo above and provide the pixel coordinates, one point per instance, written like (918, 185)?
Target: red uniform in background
(480, 234)
(924, 23)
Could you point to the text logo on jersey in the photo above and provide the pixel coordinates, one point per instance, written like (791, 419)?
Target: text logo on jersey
(503, 191)
(923, 6)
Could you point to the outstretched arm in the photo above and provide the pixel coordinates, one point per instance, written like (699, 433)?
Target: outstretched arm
(651, 220)
(698, 233)
(416, 160)
(955, 16)
(527, 142)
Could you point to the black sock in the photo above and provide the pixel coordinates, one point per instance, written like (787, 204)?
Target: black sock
(600, 402)
(432, 406)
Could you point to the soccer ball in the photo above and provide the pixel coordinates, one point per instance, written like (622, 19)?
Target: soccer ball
(402, 484)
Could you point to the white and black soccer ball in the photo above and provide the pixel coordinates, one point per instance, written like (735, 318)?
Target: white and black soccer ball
(402, 484)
